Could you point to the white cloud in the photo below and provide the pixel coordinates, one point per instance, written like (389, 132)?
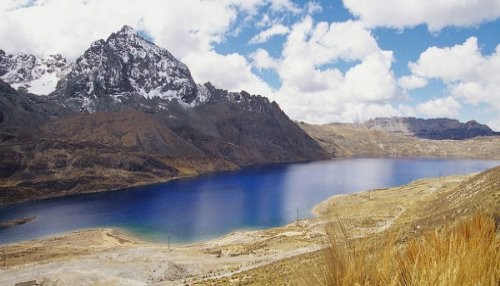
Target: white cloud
(13, 4)
(412, 82)
(372, 80)
(262, 60)
(181, 27)
(407, 111)
(449, 63)
(265, 21)
(265, 35)
(313, 7)
(436, 14)
(235, 75)
(469, 75)
(315, 91)
(494, 124)
(325, 107)
(323, 43)
(284, 6)
(440, 107)
(249, 6)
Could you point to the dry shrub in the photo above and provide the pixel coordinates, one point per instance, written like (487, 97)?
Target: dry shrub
(465, 254)
(468, 254)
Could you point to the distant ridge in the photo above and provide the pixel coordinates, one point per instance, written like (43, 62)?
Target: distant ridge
(435, 128)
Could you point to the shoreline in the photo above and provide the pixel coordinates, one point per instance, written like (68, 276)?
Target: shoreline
(94, 191)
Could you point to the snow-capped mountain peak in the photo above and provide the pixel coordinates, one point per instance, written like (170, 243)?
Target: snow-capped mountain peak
(126, 63)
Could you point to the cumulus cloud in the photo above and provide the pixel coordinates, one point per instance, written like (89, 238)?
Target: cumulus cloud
(372, 80)
(469, 75)
(265, 35)
(449, 63)
(180, 27)
(236, 74)
(316, 91)
(262, 60)
(412, 82)
(436, 14)
(439, 107)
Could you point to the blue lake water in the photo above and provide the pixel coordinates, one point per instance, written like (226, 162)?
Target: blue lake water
(204, 207)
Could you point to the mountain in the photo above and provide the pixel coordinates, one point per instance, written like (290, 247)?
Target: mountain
(122, 67)
(126, 113)
(31, 74)
(436, 128)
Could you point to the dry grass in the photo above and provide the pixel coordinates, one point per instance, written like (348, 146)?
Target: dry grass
(465, 254)
(347, 261)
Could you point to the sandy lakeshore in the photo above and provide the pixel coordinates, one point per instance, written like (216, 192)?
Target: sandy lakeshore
(113, 257)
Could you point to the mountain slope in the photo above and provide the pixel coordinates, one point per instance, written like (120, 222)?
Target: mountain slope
(481, 192)
(127, 113)
(127, 130)
(353, 140)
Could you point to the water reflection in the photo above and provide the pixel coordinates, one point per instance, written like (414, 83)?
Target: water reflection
(208, 206)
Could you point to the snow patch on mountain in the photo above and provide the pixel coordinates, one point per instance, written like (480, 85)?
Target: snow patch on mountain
(45, 84)
(25, 71)
(203, 95)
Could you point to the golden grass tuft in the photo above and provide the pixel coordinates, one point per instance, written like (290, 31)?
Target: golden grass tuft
(465, 254)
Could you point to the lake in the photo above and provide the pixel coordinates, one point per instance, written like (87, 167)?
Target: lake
(208, 206)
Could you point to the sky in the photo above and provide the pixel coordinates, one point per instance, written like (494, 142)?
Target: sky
(321, 61)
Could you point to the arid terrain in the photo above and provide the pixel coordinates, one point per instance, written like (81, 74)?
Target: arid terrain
(267, 257)
(351, 140)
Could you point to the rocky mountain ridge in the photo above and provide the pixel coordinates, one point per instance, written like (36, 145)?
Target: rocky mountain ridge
(435, 128)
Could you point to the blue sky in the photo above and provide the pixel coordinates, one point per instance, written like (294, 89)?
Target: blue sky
(406, 43)
(322, 61)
